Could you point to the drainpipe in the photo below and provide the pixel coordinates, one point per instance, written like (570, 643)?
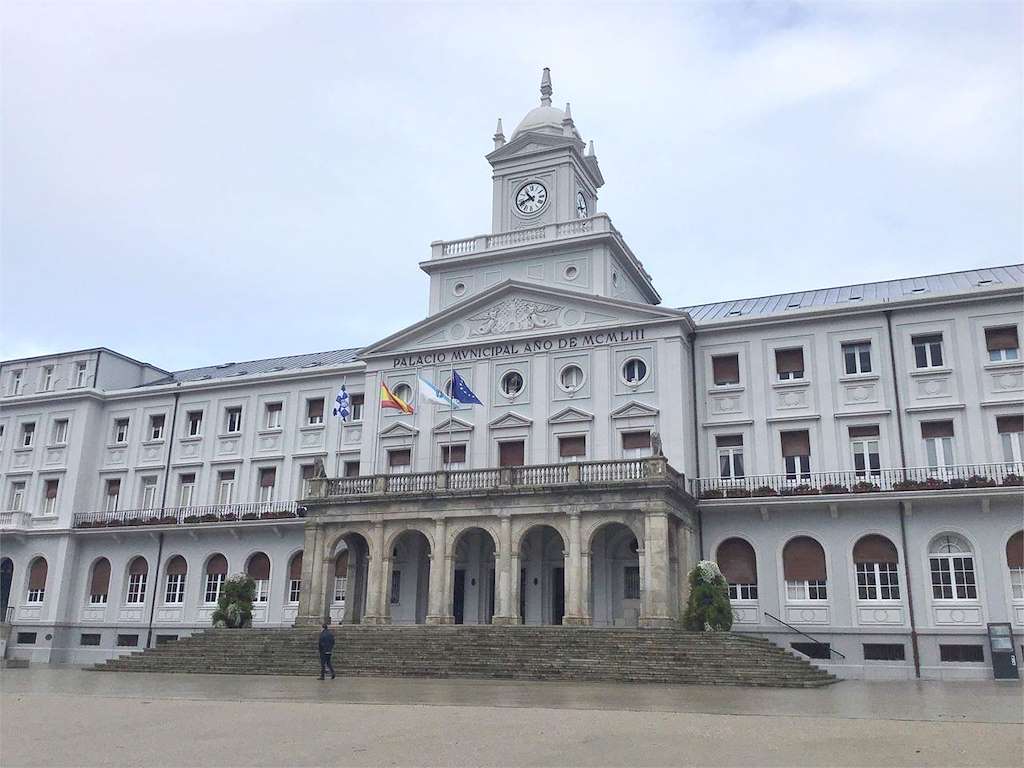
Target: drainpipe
(691, 338)
(163, 506)
(902, 506)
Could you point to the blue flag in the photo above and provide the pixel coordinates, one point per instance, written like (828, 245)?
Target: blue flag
(461, 391)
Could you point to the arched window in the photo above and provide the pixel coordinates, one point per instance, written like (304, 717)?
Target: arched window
(803, 564)
(876, 561)
(174, 589)
(216, 573)
(340, 576)
(952, 565)
(99, 584)
(138, 569)
(1015, 562)
(295, 578)
(258, 569)
(37, 581)
(739, 566)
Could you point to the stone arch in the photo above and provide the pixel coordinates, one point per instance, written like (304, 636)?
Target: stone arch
(614, 580)
(472, 579)
(344, 599)
(399, 530)
(592, 528)
(542, 549)
(456, 528)
(408, 586)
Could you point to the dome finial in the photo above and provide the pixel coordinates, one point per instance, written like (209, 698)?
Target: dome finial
(499, 136)
(545, 87)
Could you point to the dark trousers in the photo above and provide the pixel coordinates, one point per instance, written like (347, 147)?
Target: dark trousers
(325, 664)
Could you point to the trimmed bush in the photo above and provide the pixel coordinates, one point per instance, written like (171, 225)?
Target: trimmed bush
(234, 607)
(708, 608)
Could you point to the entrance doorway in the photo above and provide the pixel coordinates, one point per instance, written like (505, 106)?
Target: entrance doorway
(6, 578)
(614, 577)
(410, 578)
(473, 581)
(542, 576)
(346, 594)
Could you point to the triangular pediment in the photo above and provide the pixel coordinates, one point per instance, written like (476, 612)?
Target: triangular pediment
(509, 420)
(634, 409)
(399, 429)
(530, 142)
(513, 310)
(570, 415)
(453, 425)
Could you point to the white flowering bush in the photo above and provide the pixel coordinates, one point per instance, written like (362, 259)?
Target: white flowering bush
(708, 608)
(708, 571)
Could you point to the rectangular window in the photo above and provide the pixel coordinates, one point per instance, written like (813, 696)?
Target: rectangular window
(512, 454)
(572, 448)
(28, 434)
(631, 582)
(743, 591)
(50, 496)
(400, 461)
(864, 447)
(80, 370)
(186, 489)
(1002, 344)
(233, 420)
(174, 589)
(16, 383)
(268, 478)
(796, 452)
(730, 456)
(136, 589)
(89, 638)
(194, 423)
(1011, 436)
(127, 641)
(396, 587)
(98, 598)
(726, 369)
(962, 653)
(878, 581)
(213, 584)
(884, 652)
(789, 364)
(813, 650)
(938, 443)
(953, 577)
(148, 495)
(351, 469)
(46, 379)
(315, 411)
(273, 419)
(27, 638)
(262, 593)
(294, 590)
(3, 430)
(120, 435)
(636, 445)
(806, 590)
(357, 407)
(60, 432)
(306, 477)
(927, 350)
(16, 498)
(112, 497)
(156, 426)
(1017, 582)
(453, 456)
(857, 358)
(339, 588)
(161, 639)
(226, 486)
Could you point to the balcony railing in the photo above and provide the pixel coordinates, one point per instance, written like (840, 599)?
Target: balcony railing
(214, 513)
(852, 482)
(531, 476)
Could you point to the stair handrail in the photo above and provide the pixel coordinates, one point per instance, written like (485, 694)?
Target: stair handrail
(814, 640)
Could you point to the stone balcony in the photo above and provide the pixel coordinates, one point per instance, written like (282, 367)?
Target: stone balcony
(264, 511)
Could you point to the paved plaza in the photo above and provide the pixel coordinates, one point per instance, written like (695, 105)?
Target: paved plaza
(56, 716)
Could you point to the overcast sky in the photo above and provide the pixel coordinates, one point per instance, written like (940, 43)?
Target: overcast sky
(199, 183)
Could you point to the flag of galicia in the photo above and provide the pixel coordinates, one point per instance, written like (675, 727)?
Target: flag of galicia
(342, 405)
(461, 391)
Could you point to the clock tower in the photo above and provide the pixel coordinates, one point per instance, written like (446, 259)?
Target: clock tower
(543, 173)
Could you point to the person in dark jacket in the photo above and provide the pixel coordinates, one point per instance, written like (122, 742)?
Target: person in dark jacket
(326, 646)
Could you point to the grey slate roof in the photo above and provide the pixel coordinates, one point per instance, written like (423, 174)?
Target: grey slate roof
(254, 367)
(886, 290)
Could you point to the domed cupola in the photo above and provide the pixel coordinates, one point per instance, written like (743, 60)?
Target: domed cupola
(546, 118)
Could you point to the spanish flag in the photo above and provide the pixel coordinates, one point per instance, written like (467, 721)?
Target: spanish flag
(389, 399)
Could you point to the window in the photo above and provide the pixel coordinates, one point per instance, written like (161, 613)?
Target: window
(268, 477)
(453, 456)
(127, 641)
(803, 565)
(112, 497)
(216, 572)
(50, 488)
(512, 454)
(120, 431)
(80, 370)
(1002, 344)
(636, 445)
(730, 456)
(738, 564)
(315, 411)
(951, 562)
(796, 454)
(864, 446)
(927, 350)
(571, 378)
(60, 432)
(938, 443)
(961, 653)
(813, 650)
(16, 383)
(1011, 435)
(16, 497)
(148, 493)
(876, 562)
(884, 652)
(295, 578)
(396, 587)
(37, 581)
(186, 489)
(1015, 562)
(351, 469)
(357, 407)
(631, 582)
(3, 430)
(46, 379)
(137, 572)
(26, 638)
(99, 585)
(174, 586)
(306, 477)
(161, 639)
(258, 569)
(233, 420)
(634, 371)
(511, 384)
(857, 358)
(789, 364)
(28, 434)
(89, 638)
(572, 448)
(156, 426)
(273, 416)
(194, 423)
(340, 576)
(226, 486)
(400, 461)
(403, 392)
(726, 370)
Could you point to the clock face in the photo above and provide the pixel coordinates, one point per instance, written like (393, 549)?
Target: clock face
(581, 206)
(531, 198)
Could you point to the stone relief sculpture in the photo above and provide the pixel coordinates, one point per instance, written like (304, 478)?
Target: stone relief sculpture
(513, 315)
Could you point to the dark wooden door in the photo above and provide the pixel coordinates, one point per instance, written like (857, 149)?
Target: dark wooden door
(558, 596)
(512, 454)
(459, 596)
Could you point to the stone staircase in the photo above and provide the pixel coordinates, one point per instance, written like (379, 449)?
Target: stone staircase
(488, 652)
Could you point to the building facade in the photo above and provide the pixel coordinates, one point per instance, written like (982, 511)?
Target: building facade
(852, 457)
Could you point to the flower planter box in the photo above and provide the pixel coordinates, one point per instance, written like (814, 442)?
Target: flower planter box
(715, 493)
(250, 516)
(801, 490)
(737, 493)
(864, 487)
(979, 481)
(907, 485)
(834, 488)
(228, 517)
(764, 490)
(1013, 481)
(191, 519)
(209, 519)
(934, 484)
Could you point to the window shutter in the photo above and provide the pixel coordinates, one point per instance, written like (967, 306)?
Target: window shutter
(729, 441)
(268, 476)
(1015, 550)
(356, 399)
(936, 429)
(453, 454)
(932, 338)
(100, 577)
(113, 487)
(789, 360)
(875, 549)
(1009, 424)
(272, 407)
(187, 479)
(177, 566)
(1001, 338)
(726, 369)
(295, 567)
(796, 443)
(351, 469)
(307, 471)
(37, 574)
(803, 559)
(51, 489)
(217, 564)
(572, 446)
(737, 561)
(636, 440)
(315, 408)
(511, 454)
(138, 565)
(869, 431)
(341, 565)
(259, 567)
(402, 458)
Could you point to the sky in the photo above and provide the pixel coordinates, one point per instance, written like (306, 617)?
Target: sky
(196, 183)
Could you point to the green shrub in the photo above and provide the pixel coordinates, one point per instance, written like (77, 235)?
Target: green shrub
(234, 607)
(708, 608)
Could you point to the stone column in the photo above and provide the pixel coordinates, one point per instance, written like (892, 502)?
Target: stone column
(513, 592)
(585, 610)
(436, 612)
(573, 601)
(685, 562)
(312, 602)
(506, 614)
(655, 607)
(352, 586)
(376, 582)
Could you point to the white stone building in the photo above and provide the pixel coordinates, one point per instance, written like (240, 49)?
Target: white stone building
(851, 456)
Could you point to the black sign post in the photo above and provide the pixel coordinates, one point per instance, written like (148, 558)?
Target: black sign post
(1004, 658)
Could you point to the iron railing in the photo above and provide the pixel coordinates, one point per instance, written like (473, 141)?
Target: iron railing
(851, 482)
(827, 646)
(213, 513)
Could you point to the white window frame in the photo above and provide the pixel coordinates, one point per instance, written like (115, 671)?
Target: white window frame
(50, 504)
(186, 492)
(340, 587)
(35, 596)
(742, 592)
(233, 420)
(147, 496)
(1003, 355)
(17, 382)
(272, 415)
(262, 593)
(136, 592)
(1017, 583)
(156, 431)
(294, 590)
(46, 379)
(174, 589)
(454, 466)
(953, 557)
(97, 598)
(120, 434)
(1013, 447)
(60, 431)
(503, 382)
(28, 434)
(938, 453)
(266, 492)
(929, 349)
(865, 448)
(636, 378)
(81, 372)
(797, 467)
(807, 591)
(575, 459)
(226, 487)
(857, 349)
(16, 497)
(731, 453)
(877, 582)
(194, 423)
(357, 407)
(311, 420)
(112, 502)
(577, 375)
(212, 586)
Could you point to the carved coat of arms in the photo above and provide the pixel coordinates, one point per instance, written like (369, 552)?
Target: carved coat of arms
(512, 315)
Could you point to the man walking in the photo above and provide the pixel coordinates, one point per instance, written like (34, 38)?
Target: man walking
(326, 646)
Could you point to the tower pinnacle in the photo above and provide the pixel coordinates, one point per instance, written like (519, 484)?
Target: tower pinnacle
(545, 87)
(499, 136)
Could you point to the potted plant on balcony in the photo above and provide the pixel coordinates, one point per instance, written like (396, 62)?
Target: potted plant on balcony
(834, 488)
(980, 481)
(191, 519)
(209, 517)
(152, 520)
(1013, 480)
(228, 517)
(168, 520)
(737, 493)
(864, 486)
(133, 521)
(250, 516)
(712, 493)
(934, 484)
(800, 490)
(764, 490)
(234, 606)
(907, 485)
(708, 608)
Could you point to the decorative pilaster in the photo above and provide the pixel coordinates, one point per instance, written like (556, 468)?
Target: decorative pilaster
(655, 607)
(375, 579)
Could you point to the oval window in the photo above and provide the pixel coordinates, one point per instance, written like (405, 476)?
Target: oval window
(511, 384)
(634, 371)
(459, 289)
(571, 378)
(571, 272)
(403, 392)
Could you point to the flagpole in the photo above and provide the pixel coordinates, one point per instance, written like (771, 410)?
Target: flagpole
(341, 431)
(376, 429)
(451, 411)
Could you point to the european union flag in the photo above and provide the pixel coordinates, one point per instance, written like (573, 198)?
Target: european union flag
(461, 391)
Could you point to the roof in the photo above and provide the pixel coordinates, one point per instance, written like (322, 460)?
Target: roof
(255, 367)
(852, 295)
(86, 351)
